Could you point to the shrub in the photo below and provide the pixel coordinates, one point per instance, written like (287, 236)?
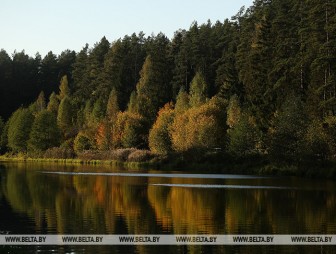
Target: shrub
(118, 154)
(140, 156)
(59, 153)
(89, 155)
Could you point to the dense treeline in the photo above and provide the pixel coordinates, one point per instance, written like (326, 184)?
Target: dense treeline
(262, 83)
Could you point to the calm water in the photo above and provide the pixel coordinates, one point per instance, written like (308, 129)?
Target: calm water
(43, 199)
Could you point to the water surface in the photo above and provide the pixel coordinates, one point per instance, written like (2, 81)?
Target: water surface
(44, 199)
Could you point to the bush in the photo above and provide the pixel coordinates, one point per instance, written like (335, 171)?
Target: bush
(119, 154)
(89, 155)
(140, 156)
(59, 153)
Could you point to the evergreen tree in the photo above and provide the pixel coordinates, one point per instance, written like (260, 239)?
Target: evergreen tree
(2, 131)
(65, 114)
(198, 90)
(99, 110)
(4, 138)
(112, 108)
(19, 128)
(41, 102)
(64, 88)
(287, 138)
(132, 104)
(44, 133)
(233, 111)
(53, 104)
(244, 138)
(182, 101)
(6, 107)
(148, 90)
(49, 74)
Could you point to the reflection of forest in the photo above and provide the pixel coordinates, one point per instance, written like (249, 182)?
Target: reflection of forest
(112, 205)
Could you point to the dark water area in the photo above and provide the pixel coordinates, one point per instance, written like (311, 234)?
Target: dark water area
(54, 199)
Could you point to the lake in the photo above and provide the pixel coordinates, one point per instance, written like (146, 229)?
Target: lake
(54, 199)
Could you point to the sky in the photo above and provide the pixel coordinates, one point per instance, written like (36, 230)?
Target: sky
(56, 25)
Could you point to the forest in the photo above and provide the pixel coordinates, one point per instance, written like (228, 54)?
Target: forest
(261, 84)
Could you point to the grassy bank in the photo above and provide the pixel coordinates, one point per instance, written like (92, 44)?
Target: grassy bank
(77, 161)
(209, 163)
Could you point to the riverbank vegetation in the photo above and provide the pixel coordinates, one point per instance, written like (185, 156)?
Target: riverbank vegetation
(260, 86)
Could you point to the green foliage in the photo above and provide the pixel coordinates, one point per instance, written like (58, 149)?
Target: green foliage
(4, 137)
(287, 138)
(233, 111)
(329, 132)
(65, 114)
(53, 104)
(147, 91)
(112, 107)
(132, 104)
(318, 145)
(2, 133)
(82, 142)
(64, 88)
(254, 61)
(99, 110)
(2, 125)
(199, 90)
(44, 133)
(200, 128)
(182, 101)
(159, 137)
(19, 128)
(244, 138)
(129, 131)
(40, 102)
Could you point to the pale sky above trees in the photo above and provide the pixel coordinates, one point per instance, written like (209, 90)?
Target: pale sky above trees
(41, 26)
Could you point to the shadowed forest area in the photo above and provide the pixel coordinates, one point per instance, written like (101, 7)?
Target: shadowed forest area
(260, 85)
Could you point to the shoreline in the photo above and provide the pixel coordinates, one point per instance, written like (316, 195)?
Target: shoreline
(325, 170)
